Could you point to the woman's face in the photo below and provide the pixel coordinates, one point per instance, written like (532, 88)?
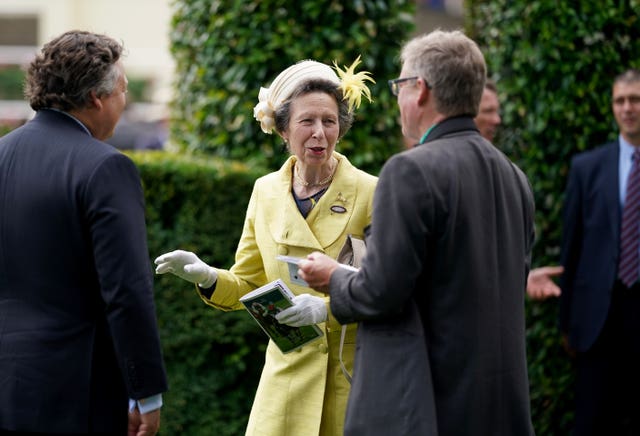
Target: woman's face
(313, 128)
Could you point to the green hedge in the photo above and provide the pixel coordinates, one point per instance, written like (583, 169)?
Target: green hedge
(213, 358)
(554, 63)
(226, 50)
(11, 83)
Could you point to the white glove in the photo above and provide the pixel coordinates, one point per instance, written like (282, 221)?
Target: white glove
(188, 266)
(306, 310)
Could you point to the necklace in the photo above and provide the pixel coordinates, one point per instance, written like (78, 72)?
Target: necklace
(304, 183)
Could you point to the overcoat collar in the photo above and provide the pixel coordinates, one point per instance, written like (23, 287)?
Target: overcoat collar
(451, 125)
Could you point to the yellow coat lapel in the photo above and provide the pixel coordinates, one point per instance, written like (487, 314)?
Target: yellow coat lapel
(326, 221)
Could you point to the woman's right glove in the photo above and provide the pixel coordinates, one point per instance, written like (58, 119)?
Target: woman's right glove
(187, 266)
(306, 310)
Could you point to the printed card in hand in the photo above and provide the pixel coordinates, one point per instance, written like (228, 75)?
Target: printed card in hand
(292, 263)
(264, 303)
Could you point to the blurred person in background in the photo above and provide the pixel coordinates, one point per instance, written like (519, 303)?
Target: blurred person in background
(600, 302)
(135, 133)
(488, 118)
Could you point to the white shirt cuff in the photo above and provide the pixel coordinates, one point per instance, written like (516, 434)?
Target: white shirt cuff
(146, 405)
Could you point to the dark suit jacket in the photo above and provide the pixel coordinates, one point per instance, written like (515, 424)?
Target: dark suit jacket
(440, 347)
(78, 333)
(590, 245)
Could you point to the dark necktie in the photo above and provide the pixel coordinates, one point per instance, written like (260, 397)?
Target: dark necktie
(628, 266)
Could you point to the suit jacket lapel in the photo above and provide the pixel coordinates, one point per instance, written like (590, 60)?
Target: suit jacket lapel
(287, 225)
(612, 188)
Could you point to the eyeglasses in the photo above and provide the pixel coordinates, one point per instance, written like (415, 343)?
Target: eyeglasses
(394, 85)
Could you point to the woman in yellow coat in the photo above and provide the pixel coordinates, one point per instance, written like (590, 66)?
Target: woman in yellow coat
(311, 204)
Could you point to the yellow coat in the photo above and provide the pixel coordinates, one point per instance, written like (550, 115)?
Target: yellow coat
(303, 393)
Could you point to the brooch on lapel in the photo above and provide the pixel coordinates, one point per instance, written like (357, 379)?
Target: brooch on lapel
(339, 208)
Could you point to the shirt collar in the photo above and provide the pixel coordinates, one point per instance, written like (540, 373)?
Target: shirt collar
(626, 149)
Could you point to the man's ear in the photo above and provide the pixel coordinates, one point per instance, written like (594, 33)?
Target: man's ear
(94, 100)
(425, 92)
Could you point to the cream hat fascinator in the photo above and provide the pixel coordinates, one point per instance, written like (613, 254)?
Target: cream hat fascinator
(269, 99)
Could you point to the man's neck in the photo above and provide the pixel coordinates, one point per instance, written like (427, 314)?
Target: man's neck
(84, 117)
(632, 140)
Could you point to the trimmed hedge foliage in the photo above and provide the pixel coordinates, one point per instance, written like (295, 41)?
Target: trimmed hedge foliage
(226, 50)
(213, 358)
(11, 83)
(554, 63)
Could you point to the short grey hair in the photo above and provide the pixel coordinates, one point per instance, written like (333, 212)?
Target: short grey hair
(107, 85)
(629, 76)
(452, 65)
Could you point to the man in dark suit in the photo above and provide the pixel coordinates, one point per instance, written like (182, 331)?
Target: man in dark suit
(79, 345)
(440, 294)
(599, 312)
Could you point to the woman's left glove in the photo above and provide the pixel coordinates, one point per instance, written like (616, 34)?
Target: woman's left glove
(306, 310)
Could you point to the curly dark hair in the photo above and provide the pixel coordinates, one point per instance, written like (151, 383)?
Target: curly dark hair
(345, 118)
(71, 66)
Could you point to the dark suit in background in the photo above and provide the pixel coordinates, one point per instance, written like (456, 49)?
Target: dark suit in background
(78, 333)
(599, 316)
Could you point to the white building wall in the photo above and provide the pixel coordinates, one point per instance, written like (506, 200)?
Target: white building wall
(142, 26)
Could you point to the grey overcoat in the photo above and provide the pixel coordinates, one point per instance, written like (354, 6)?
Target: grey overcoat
(440, 296)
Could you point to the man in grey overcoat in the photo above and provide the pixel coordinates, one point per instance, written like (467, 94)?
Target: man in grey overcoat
(440, 294)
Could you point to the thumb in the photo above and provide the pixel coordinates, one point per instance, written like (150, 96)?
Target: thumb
(287, 315)
(553, 271)
(557, 270)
